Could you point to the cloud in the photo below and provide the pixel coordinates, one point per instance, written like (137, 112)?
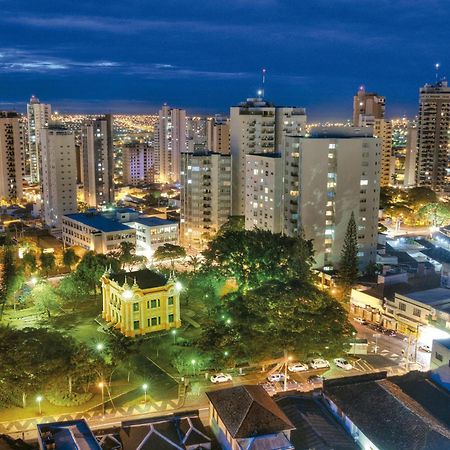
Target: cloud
(19, 60)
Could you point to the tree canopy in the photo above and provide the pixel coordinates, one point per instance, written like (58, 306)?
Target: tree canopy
(257, 256)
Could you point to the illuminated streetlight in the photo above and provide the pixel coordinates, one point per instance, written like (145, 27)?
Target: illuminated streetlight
(178, 286)
(101, 385)
(33, 281)
(100, 346)
(39, 399)
(193, 366)
(225, 353)
(174, 334)
(228, 321)
(145, 387)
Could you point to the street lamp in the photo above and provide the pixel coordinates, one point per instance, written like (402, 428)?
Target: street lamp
(145, 387)
(178, 286)
(127, 294)
(39, 399)
(100, 346)
(354, 343)
(33, 281)
(174, 334)
(101, 385)
(193, 366)
(228, 321)
(226, 353)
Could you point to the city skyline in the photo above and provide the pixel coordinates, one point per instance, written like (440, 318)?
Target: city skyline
(185, 54)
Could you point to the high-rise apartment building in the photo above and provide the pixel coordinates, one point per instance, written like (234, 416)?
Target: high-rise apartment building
(329, 175)
(11, 156)
(138, 163)
(97, 160)
(170, 141)
(382, 129)
(258, 126)
(59, 174)
(409, 179)
(433, 140)
(205, 195)
(218, 134)
(38, 118)
(196, 133)
(367, 106)
(264, 192)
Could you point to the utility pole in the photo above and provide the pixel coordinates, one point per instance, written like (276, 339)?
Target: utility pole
(285, 370)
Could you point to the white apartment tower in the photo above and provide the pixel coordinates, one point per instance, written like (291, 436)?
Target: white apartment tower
(410, 157)
(258, 126)
(205, 196)
(218, 134)
(59, 174)
(38, 118)
(329, 175)
(264, 192)
(433, 139)
(138, 163)
(11, 156)
(97, 161)
(170, 142)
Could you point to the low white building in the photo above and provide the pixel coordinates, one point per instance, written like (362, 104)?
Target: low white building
(151, 232)
(103, 231)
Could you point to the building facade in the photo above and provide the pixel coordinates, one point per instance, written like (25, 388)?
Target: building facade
(140, 302)
(205, 195)
(411, 157)
(382, 129)
(264, 192)
(218, 134)
(170, 141)
(59, 174)
(138, 164)
(367, 107)
(433, 138)
(329, 175)
(257, 126)
(38, 115)
(97, 160)
(11, 156)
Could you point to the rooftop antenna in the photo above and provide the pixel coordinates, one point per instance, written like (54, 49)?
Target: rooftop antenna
(263, 81)
(437, 66)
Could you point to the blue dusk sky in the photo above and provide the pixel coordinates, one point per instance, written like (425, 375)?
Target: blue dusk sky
(205, 55)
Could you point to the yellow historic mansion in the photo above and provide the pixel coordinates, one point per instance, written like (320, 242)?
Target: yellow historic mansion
(140, 302)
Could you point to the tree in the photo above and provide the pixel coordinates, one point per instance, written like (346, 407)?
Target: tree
(70, 258)
(48, 262)
(171, 252)
(277, 316)
(194, 262)
(437, 214)
(126, 253)
(420, 196)
(234, 223)
(29, 359)
(29, 261)
(45, 298)
(348, 266)
(253, 257)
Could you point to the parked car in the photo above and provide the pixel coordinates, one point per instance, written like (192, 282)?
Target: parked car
(276, 377)
(425, 348)
(316, 380)
(343, 364)
(389, 332)
(221, 378)
(319, 363)
(297, 367)
(360, 320)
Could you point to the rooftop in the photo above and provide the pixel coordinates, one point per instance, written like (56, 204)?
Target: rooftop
(153, 221)
(98, 221)
(145, 279)
(438, 298)
(398, 421)
(315, 427)
(70, 435)
(249, 411)
(341, 133)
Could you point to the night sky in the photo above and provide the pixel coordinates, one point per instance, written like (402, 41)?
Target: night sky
(204, 55)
